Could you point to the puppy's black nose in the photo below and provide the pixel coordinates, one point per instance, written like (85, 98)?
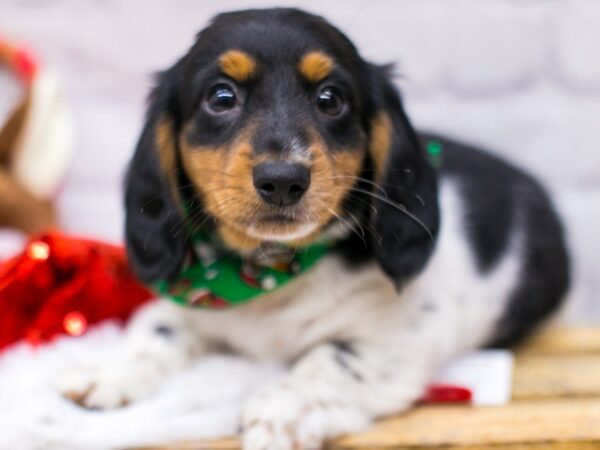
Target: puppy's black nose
(281, 184)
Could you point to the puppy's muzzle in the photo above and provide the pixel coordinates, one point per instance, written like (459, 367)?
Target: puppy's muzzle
(280, 183)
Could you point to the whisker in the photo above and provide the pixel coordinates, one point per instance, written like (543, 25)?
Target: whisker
(382, 187)
(400, 207)
(360, 234)
(364, 180)
(367, 225)
(350, 227)
(167, 192)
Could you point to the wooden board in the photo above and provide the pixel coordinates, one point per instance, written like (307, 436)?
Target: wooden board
(557, 421)
(561, 376)
(553, 424)
(556, 391)
(581, 340)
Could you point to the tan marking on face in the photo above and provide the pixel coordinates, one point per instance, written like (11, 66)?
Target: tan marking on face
(223, 180)
(238, 65)
(333, 174)
(381, 136)
(315, 66)
(237, 239)
(164, 139)
(222, 177)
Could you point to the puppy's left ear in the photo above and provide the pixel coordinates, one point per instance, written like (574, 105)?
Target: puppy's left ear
(155, 245)
(407, 218)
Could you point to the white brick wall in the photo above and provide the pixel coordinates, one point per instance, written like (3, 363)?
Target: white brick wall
(521, 76)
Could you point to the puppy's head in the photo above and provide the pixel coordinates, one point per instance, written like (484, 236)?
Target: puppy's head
(271, 128)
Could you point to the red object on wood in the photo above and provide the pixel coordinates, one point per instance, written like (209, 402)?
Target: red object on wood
(61, 284)
(447, 393)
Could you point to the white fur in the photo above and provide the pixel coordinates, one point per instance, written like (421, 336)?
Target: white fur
(299, 233)
(399, 339)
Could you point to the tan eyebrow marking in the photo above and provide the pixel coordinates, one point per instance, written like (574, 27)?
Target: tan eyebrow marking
(237, 64)
(315, 66)
(381, 137)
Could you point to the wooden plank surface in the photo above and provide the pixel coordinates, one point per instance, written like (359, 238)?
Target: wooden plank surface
(232, 444)
(221, 444)
(556, 421)
(555, 341)
(552, 424)
(561, 376)
(556, 392)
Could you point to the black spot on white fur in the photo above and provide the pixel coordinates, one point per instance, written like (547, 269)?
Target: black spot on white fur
(340, 359)
(164, 330)
(345, 347)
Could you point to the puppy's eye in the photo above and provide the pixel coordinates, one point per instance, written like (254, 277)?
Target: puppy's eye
(331, 102)
(221, 98)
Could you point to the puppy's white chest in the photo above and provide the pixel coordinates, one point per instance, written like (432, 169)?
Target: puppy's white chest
(322, 304)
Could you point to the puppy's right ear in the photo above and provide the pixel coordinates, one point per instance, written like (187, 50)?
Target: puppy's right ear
(155, 245)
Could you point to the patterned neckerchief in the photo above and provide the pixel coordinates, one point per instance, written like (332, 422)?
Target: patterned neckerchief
(217, 278)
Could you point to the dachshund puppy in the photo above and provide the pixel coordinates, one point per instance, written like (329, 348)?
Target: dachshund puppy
(272, 132)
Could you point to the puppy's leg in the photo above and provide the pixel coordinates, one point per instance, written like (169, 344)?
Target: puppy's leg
(341, 386)
(158, 341)
(338, 388)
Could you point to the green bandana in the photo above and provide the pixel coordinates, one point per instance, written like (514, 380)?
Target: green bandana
(218, 278)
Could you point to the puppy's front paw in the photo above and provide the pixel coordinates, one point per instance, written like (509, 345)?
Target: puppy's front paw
(288, 417)
(110, 387)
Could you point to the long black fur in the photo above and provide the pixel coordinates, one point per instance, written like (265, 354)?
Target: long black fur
(153, 221)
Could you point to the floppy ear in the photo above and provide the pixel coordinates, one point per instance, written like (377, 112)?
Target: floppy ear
(408, 218)
(155, 245)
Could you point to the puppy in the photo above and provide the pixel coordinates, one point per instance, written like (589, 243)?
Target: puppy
(273, 132)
